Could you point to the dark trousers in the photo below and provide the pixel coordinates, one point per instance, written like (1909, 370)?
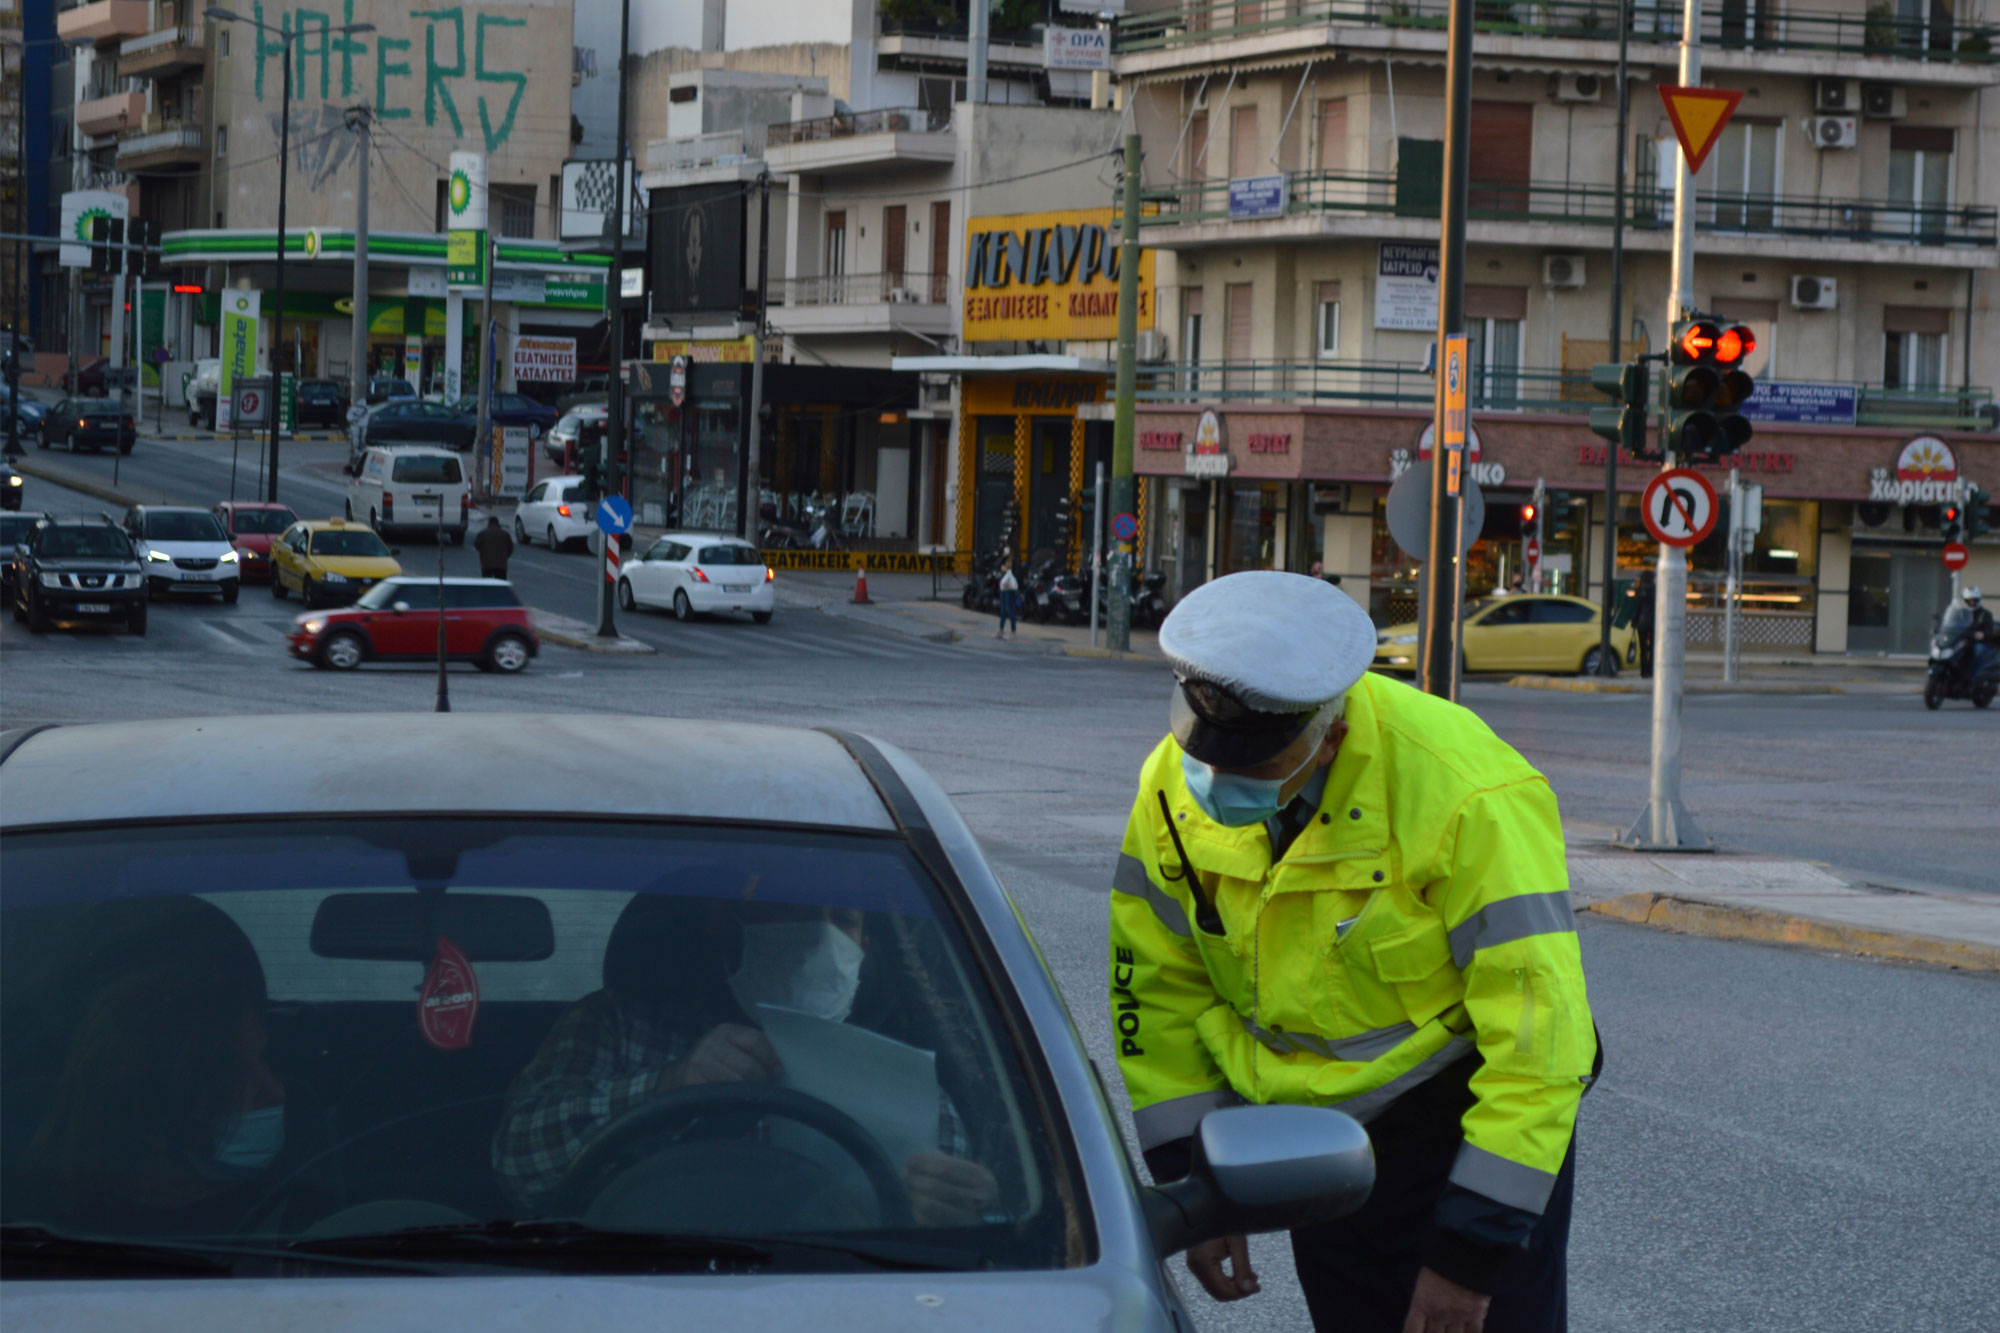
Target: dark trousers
(493, 571)
(1010, 609)
(1358, 1273)
(1645, 634)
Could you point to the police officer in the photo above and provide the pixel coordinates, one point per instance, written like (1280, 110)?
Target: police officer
(1337, 890)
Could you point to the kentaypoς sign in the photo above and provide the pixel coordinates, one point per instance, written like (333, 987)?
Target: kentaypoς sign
(542, 358)
(1047, 276)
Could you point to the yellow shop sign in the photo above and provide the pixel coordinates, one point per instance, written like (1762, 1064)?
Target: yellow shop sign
(1047, 276)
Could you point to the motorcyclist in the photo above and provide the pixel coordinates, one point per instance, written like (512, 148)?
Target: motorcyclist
(1985, 640)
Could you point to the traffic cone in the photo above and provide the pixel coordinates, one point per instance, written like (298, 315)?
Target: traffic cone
(861, 584)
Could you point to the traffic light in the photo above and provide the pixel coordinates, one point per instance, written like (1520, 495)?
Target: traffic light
(590, 467)
(1707, 387)
(1629, 384)
(1978, 514)
(1951, 522)
(1064, 520)
(103, 257)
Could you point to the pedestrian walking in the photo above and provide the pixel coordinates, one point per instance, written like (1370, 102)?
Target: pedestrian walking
(495, 549)
(1644, 594)
(1010, 602)
(1400, 946)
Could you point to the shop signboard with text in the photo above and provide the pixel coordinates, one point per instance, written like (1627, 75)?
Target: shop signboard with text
(1047, 276)
(550, 360)
(1802, 403)
(1406, 286)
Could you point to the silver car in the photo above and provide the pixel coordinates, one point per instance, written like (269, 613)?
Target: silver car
(725, 1026)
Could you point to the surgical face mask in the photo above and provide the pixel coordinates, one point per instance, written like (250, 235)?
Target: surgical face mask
(811, 966)
(1233, 800)
(247, 1143)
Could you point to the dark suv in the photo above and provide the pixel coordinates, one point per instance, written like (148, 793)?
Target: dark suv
(321, 401)
(78, 569)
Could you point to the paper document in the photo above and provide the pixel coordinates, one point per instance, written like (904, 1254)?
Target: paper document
(890, 1088)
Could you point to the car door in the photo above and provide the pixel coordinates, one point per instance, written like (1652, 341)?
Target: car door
(284, 559)
(1565, 631)
(412, 631)
(533, 515)
(1499, 639)
(648, 575)
(467, 618)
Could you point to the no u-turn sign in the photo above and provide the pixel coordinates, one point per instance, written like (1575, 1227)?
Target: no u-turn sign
(1679, 507)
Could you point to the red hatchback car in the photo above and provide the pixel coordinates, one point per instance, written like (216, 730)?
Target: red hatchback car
(252, 526)
(397, 619)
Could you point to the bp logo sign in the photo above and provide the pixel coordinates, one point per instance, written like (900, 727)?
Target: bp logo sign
(312, 243)
(461, 192)
(240, 304)
(87, 219)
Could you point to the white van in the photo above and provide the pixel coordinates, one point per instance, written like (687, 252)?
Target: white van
(400, 488)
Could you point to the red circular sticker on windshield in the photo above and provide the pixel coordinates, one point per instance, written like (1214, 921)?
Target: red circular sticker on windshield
(450, 999)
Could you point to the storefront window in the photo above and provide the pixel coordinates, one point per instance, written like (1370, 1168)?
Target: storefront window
(997, 517)
(654, 461)
(1253, 534)
(710, 503)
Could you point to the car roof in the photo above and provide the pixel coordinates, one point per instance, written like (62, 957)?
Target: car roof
(328, 524)
(253, 504)
(710, 537)
(415, 447)
(428, 580)
(343, 764)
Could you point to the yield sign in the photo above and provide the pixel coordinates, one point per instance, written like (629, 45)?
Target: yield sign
(1698, 115)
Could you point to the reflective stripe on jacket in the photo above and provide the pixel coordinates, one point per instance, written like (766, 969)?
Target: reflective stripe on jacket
(1424, 911)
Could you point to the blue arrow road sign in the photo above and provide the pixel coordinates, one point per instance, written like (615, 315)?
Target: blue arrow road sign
(614, 514)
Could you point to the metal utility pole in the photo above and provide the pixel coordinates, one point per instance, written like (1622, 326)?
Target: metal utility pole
(1096, 547)
(488, 358)
(1735, 584)
(1444, 569)
(20, 292)
(360, 120)
(1606, 662)
(975, 53)
(1118, 629)
(614, 292)
(1666, 825)
(750, 514)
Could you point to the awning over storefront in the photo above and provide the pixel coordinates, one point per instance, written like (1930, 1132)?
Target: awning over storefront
(1040, 363)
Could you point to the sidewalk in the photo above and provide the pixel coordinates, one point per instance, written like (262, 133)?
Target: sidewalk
(1777, 900)
(903, 603)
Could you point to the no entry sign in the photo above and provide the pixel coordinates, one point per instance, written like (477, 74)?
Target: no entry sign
(1955, 556)
(1679, 507)
(1534, 551)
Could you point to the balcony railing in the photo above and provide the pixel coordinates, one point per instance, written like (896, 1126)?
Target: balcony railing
(717, 149)
(167, 49)
(160, 142)
(863, 289)
(1405, 384)
(1732, 25)
(954, 30)
(892, 120)
(1381, 194)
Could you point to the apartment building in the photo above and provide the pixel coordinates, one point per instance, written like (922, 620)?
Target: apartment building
(1293, 171)
(894, 393)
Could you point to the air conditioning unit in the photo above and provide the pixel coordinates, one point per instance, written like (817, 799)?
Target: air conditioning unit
(1841, 96)
(1883, 101)
(1152, 345)
(1579, 87)
(1562, 271)
(1833, 131)
(1809, 293)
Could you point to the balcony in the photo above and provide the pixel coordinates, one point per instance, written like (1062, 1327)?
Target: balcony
(1736, 35)
(942, 44)
(167, 51)
(1405, 384)
(161, 144)
(704, 159)
(918, 303)
(1359, 205)
(862, 140)
(112, 113)
(105, 21)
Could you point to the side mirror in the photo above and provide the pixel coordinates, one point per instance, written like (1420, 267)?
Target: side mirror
(395, 550)
(399, 607)
(1263, 1168)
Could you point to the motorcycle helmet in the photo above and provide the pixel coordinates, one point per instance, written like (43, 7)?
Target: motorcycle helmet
(1971, 596)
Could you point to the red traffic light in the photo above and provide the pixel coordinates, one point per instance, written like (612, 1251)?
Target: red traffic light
(1951, 513)
(1696, 342)
(1732, 345)
(1527, 513)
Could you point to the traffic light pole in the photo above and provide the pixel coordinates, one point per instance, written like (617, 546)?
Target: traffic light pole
(1118, 626)
(614, 419)
(1665, 824)
(1607, 663)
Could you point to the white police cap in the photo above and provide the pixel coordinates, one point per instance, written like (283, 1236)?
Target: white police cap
(1255, 656)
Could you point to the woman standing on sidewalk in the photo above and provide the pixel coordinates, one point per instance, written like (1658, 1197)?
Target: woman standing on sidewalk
(1010, 602)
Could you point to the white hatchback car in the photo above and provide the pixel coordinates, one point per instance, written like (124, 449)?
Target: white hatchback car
(695, 572)
(184, 550)
(555, 511)
(400, 487)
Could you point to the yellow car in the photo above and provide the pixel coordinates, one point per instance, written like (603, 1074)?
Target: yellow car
(1518, 632)
(329, 560)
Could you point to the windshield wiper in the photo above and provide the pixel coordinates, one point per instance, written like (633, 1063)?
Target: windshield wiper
(32, 1250)
(561, 1243)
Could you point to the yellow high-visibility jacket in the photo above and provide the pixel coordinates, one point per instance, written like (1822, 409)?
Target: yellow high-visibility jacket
(1424, 911)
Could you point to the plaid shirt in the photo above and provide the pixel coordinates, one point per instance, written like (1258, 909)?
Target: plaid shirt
(600, 1060)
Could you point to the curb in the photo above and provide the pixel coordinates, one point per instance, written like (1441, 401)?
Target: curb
(590, 643)
(82, 485)
(1103, 654)
(1587, 685)
(303, 437)
(1694, 916)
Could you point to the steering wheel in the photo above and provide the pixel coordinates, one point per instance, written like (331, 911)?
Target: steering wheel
(656, 1150)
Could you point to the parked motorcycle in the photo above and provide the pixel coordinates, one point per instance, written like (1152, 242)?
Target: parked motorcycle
(1953, 653)
(775, 534)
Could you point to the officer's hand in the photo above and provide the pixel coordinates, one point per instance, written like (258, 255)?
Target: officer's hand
(1442, 1306)
(1205, 1262)
(948, 1192)
(730, 1053)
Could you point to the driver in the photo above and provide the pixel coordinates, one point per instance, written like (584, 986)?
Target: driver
(1985, 643)
(677, 1020)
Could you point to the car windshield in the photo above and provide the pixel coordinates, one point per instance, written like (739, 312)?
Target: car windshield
(183, 526)
(263, 520)
(393, 388)
(730, 555)
(94, 540)
(430, 468)
(385, 1036)
(348, 541)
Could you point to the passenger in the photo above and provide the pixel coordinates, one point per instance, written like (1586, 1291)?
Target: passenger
(670, 1016)
(166, 1117)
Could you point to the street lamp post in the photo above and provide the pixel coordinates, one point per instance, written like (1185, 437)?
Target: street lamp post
(285, 36)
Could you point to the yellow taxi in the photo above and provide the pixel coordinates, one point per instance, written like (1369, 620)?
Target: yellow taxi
(1518, 632)
(329, 560)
